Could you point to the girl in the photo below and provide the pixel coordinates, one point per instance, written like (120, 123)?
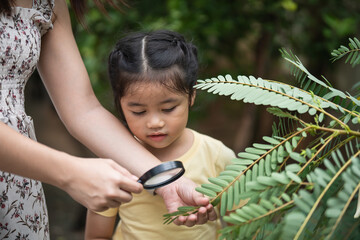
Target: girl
(152, 76)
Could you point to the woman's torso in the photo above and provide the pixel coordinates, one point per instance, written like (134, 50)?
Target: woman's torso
(23, 213)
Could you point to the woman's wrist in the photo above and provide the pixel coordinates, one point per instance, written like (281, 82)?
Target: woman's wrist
(63, 170)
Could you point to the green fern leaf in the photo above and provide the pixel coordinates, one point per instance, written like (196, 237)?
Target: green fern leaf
(223, 204)
(293, 177)
(353, 53)
(231, 219)
(237, 193)
(230, 198)
(301, 204)
(212, 187)
(206, 191)
(267, 204)
(254, 185)
(230, 173)
(293, 168)
(248, 156)
(268, 169)
(245, 162)
(255, 151)
(267, 181)
(243, 214)
(280, 177)
(262, 146)
(271, 140)
(236, 167)
(297, 157)
(293, 222)
(279, 113)
(219, 182)
(227, 178)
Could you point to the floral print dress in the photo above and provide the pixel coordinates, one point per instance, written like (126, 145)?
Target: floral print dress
(23, 212)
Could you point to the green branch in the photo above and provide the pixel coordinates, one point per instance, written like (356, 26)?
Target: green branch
(256, 161)
(307, 219)
(344, 210)
(322, 99)
(337, 131)
(291, 97)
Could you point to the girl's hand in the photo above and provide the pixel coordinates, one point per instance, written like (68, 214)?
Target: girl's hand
(99, 184)
(182, 193)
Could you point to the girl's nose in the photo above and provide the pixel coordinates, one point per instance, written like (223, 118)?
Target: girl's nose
(155, 122)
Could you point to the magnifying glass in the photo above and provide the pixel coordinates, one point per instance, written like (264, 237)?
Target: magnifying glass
(162, 175)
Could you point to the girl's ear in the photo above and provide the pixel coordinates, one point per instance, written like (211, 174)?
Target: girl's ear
(192, 99)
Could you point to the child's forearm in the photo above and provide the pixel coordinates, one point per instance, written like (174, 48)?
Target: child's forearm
(99, 227)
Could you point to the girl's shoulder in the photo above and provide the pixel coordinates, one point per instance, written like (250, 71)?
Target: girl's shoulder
(212, 144)
(206, 139)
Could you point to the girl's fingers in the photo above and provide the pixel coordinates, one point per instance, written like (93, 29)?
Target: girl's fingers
(202, 216)
(190, 220)
(212, 215)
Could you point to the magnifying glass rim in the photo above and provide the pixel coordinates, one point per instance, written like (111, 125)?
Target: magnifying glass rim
(166, 166)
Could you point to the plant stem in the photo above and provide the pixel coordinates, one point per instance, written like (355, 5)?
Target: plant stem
(311, 159)
(338, 131)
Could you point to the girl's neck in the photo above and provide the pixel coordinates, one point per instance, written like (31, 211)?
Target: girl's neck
(177, 149)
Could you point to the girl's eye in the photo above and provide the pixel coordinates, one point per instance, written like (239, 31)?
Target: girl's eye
(138, 113)
(169, 109)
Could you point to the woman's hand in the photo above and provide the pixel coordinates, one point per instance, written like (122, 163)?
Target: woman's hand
(182, 193)
(99, 184)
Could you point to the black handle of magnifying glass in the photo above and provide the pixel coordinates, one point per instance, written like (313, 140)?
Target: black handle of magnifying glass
(166, 166)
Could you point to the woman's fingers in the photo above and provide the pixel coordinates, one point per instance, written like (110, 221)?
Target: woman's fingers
(99, 184)
(127, 182)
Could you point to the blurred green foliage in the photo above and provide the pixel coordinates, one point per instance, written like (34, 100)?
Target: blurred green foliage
(233, 36)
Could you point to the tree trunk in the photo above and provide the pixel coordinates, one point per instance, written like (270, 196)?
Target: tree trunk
(255, 121)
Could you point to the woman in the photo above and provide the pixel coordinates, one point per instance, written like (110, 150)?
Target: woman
(38, 34)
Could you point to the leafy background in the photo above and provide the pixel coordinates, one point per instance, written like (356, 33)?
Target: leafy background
(235, 37)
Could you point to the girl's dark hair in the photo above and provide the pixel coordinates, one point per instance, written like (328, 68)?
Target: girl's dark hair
(79, 6)
(162, 57)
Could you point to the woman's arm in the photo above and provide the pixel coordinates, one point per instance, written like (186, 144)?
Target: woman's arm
(95, 183)
(99, 227)
(65, 77)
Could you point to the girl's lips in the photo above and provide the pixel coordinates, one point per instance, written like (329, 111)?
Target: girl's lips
(157, 137)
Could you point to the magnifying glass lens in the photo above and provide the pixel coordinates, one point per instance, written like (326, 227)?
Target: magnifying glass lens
(162, 175)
